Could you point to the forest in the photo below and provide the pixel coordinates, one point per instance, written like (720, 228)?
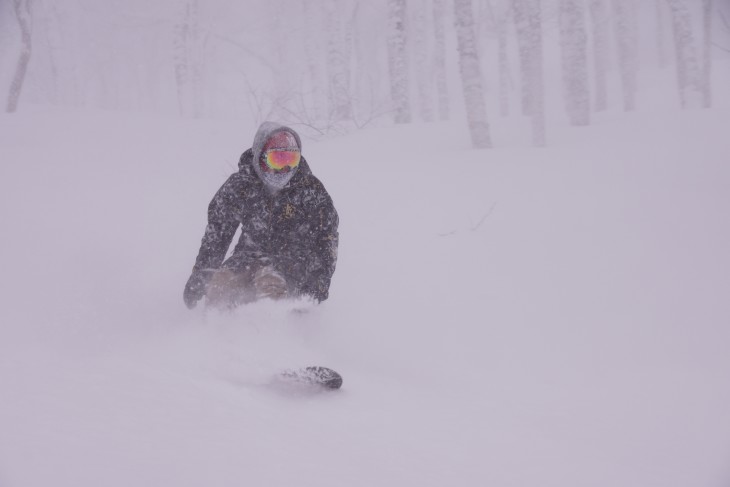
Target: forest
(331, 66)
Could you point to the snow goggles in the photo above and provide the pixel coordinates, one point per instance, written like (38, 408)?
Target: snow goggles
(279, 159)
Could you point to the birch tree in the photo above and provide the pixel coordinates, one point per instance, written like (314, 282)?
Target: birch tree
(573, 44)
(312, 50)
(707, 53)
(23, 14)
(439, 58)
(688, 71)
(504, 76)
(338, 61)
(726, 24)
(660, 51)
(398, 61)
(599, 21)
(188, 60)
(471, 77)
(528, 23)
(370, 102)
(421, 58)
(522, 27)
(500, 17)
(61, 22)
(624, 14)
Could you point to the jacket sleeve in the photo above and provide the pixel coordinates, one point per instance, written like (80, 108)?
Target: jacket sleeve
(222, 226)
(323, 260)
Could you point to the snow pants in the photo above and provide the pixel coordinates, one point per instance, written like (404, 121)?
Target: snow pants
(228, 288)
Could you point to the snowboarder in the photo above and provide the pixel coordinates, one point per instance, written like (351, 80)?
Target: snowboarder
(289, 238)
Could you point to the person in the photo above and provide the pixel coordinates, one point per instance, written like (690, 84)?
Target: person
(289, 238)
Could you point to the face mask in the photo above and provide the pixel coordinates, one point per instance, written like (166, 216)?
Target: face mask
(276, 180)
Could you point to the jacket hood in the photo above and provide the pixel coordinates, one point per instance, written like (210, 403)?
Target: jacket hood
(263, 134)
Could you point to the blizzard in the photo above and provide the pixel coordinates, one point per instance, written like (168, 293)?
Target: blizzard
(514, 316)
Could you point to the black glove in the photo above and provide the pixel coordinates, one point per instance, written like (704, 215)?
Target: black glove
(318, 290)
(195, 288)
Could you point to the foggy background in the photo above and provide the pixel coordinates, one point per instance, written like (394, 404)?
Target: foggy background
(331, 66)
(550, 310)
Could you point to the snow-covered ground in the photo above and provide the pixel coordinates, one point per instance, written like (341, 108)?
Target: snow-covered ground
(506, 317)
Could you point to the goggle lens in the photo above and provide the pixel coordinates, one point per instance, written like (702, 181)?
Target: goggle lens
(278, 159)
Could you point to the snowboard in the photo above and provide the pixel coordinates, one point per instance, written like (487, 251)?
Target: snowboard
(314, 376)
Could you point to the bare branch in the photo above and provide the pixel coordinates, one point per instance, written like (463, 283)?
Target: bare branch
(720, 47)
(24, 16)
(724, 19)
(474, 228)
(248, 51)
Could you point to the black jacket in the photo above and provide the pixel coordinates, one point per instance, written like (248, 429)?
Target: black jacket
(294, 230)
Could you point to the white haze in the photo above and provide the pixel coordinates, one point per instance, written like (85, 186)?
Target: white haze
(508, 316)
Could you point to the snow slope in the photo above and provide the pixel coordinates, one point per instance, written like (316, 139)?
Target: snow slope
(514, 316)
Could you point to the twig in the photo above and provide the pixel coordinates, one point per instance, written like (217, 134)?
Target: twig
(301, 121)
(724, 19)
(474, 228)
(720, 47)
(248, 51)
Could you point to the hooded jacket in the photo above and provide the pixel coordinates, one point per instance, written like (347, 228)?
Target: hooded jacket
(293, 229)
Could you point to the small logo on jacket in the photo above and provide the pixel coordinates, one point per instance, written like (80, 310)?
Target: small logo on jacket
(289, 211)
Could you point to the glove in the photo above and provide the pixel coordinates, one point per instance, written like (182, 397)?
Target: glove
(318, 291)
(195, 289)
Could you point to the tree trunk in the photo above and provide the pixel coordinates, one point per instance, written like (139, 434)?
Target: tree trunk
(599, 19)
(181, 59)
(349, 49)
(61, 53)
(500, 22)
(423, 71)
(188, 61)
(50, 39)
(25, 21)
(338, 66)
(626, 36)
(573, 43)
(527, 17)
(707, 53)
(313, 51)
(660, 51)
(688, 71)
(471, 77)
(197, 50)
(522, 26)
(398, 61)
(439, 50)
